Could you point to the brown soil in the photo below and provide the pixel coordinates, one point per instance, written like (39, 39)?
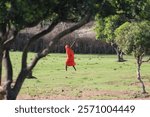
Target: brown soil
(89, 95)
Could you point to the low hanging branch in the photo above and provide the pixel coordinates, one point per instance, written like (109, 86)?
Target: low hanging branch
(56, 39)
(23, 72)
(33, 39)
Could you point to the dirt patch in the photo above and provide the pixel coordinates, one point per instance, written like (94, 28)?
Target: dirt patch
(90, 95)
(140, 95)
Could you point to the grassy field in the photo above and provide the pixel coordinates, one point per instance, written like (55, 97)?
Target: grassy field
(97, 77)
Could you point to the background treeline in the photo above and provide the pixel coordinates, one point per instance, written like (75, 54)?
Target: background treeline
(86, 41)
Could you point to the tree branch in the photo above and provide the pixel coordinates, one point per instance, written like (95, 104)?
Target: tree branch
(56, 39)
(11, 39)
(33, 39)
(71, 29)
(146, 60)
(25, 69)
(23, 72)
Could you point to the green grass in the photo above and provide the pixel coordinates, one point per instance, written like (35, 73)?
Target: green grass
(97, 77)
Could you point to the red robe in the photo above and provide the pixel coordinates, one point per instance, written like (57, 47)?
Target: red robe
(70, 56)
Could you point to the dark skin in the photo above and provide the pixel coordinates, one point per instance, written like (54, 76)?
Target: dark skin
(71, 47)
(72, 66)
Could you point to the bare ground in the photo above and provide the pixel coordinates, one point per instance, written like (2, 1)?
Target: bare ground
(90, 95)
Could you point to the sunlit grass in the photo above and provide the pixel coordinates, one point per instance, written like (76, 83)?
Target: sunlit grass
(94, 73)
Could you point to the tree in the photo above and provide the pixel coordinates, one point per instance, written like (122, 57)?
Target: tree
(134, 38)
(105, 28)
(117, 12)
(132, 9)
(17, 15)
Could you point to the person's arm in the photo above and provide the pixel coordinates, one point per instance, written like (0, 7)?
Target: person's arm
(73, 43)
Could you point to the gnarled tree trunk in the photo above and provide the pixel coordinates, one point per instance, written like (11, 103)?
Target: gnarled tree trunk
(13, 93)
(139, 62)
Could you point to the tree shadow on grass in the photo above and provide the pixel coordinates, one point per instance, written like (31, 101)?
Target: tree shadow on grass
(31, 77)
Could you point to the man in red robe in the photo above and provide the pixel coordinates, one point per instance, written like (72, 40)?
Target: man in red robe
(70, 57)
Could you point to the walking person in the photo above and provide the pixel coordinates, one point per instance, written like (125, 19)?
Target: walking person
(70, 56)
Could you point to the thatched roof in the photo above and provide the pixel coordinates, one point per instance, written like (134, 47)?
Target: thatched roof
(83, 32)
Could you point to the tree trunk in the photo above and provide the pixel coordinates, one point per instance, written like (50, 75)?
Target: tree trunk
(1, 58)
(9, 72)
(119, 55)
(118, 52)
(12, 95)
(139, 62)
(12, 92)
(2, 92)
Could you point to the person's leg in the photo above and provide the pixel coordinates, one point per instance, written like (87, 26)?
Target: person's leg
(74, 68)
(66, 67)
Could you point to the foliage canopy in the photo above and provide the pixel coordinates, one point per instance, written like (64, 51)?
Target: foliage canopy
(134, 37)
